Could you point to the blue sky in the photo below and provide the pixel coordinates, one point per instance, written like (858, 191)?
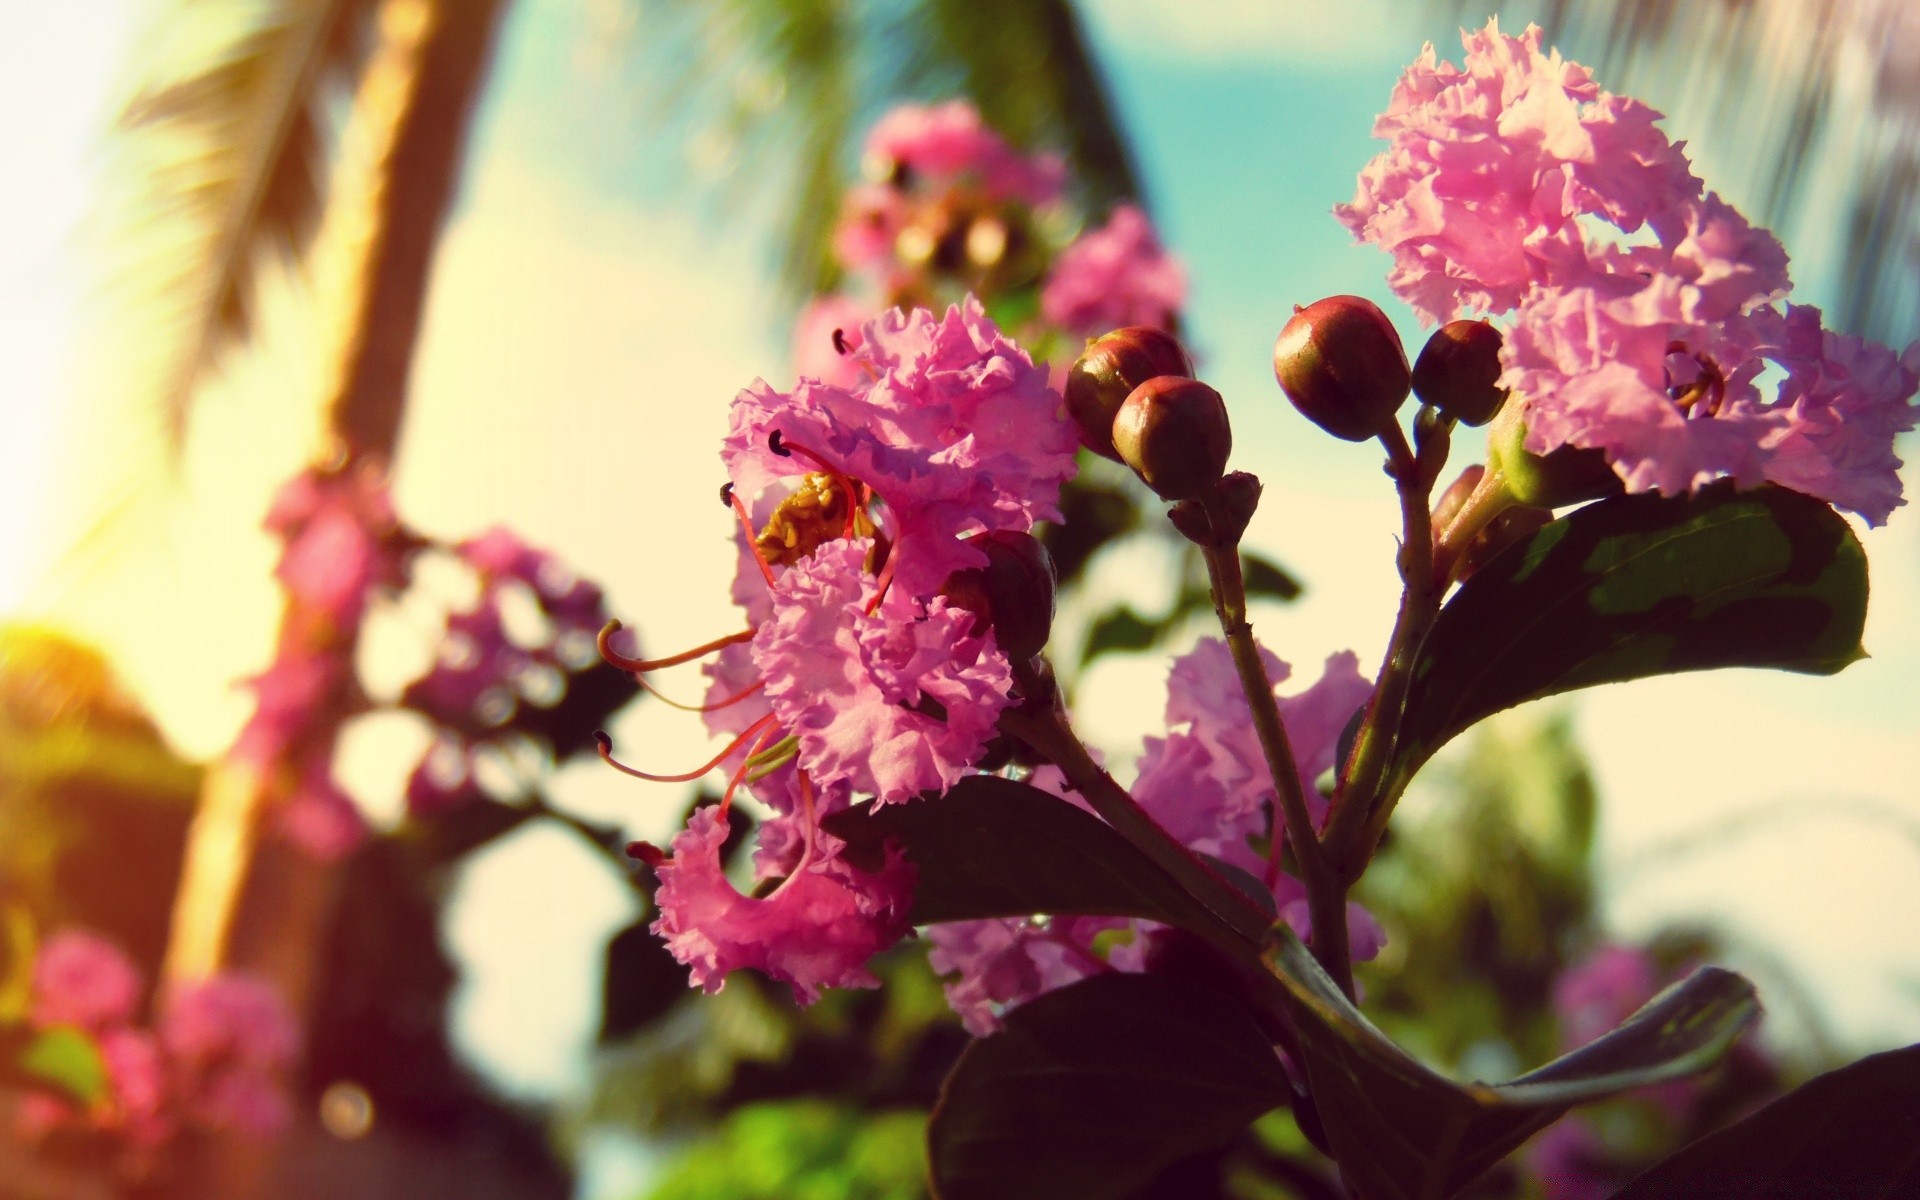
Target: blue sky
(589, 319)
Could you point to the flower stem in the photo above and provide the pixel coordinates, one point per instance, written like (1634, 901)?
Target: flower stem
(1354, 803)
(1326, 899)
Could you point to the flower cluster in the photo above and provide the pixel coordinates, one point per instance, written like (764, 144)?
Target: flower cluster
(1115, 276)
(1643, 309)
(490, 672)
(1206, 783)
(214, 1058)
(858, 676)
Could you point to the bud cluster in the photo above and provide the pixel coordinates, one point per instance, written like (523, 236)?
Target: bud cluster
(1133, 396)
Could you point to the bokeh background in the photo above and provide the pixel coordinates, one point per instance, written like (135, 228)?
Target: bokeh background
(620, 255)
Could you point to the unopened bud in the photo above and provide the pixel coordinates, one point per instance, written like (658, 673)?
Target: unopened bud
(1563, 476)
(1175, 435)
(1114, 364)
(1341, 363)
(1013, 593)
(1459, 369)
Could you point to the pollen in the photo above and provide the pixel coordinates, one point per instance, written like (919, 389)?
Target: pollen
(816, 513)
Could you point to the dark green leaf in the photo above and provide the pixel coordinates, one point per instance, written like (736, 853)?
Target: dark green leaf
(1264, 578)
(1121, 629)
(1402, 1131)
(1092, 1089)
(991, 847)
(1636, 586)
(1854, 1132)
(66, 1059)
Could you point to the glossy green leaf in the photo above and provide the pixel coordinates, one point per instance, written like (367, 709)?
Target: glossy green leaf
(1401, 1131)
(1854, 1132)
(67, 1060)
(991, 847)
(1635, 586)
(1091, 1090)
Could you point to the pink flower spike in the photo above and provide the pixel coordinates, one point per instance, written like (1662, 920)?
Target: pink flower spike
(817, 929)
(83, 979)
(1115, 276)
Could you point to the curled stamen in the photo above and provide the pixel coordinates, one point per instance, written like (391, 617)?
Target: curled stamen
(649, 854)
(886, 578)
(726, 494)
(639, 665)
(605, 745)
(716, 706)
(775, 444)
(840, 342)
(753, 540)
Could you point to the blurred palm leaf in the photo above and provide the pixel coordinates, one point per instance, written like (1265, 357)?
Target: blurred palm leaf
(224, 147)
(774, 95)
(1818, 103)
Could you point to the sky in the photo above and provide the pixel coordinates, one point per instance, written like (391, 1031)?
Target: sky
(591, 314)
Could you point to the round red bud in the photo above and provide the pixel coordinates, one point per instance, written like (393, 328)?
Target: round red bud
(1341, 363)
(1114, 364)
(1013, 593)
(1175, 435)
(1459, 369)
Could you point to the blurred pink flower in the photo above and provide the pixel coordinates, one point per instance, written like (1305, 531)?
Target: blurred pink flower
(824, 337)
(320, 819)
(1114, 276)
(231, 1040)
(950, 143)
(83, 979)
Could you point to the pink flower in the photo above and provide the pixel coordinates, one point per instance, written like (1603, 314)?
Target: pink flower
(871, 218)
(825, 336)
(286, 697)
(1490, 168)
(1114, 276)
(83, 979)
(231, 1040)
(950, 143)
(958, 432)
(1002, 964)
(817, 929)
(892, 702)
(137, 1075)
(1596, 994)
(337, 530)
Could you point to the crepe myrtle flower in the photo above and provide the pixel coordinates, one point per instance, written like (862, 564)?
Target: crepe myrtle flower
(858, 677)
(1647, 315)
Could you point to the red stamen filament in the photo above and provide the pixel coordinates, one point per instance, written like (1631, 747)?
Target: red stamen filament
(716, 706)
(746, 764)
(753, 539)
(886, 577)
(639, 665)
(605, 746)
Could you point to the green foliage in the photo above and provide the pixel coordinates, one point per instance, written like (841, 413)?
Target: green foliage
(66, 1060)
(1091, 1090)
(803, 1150)
(1853, 1132)
(1635, 586)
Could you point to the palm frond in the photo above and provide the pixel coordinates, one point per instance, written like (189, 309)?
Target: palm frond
(221, 156)
(1818, 102)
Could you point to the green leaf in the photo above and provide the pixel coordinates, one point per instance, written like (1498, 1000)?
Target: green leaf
(68, 1060)
(1120, 630)
(1853, 1132)
(1093, 1089)
(1636, 586)
(1265, 578)
(991, 847)
(1404, 1132)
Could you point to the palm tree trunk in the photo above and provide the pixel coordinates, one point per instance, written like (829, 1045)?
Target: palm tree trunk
(246, 900)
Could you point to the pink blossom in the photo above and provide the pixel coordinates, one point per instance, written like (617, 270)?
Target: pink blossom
(824, 336)
(958, 432)
(950, 143)
(138, 1078)
(1002, 964)
(337, 530)
(1595, 995)
(817, 929)
(1114, 276)
(286, 696)
(856, 687)
(231, 1040)
(1490, 168)
(83, 979)
(871, 218)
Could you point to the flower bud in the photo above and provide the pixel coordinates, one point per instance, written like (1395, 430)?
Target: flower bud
(1563, 476)
(1114, 364)
(1013, 593)
(1174, 433)
(1341, 363)
(1459, 369)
